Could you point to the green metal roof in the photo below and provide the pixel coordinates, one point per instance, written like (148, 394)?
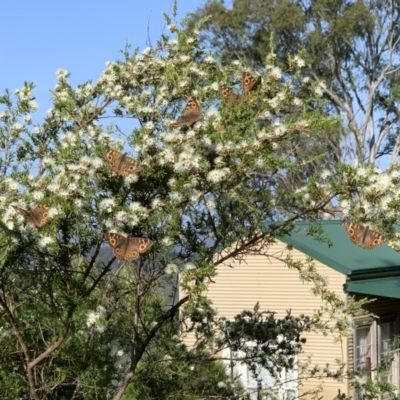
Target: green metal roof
(386, 287)
(375, 272)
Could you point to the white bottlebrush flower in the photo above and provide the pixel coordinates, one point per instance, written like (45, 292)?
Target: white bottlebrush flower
(171, 269)
(107, 205)
(28, 119)
(171, 138)
(92, 318)
(362, 172)
(78, 203)
(171, 183)
(274, 146)
(217, 175)
(147, 51)
(200, 73)
(186, 266)
(167, 241)
(274, 102)
(3, 200)
(62, 74)
(210, 204)
(184, 59)
(326, 173)
(48, 161)
(276, 73)
(190, 134)
(215, 86)
(195, 196)
(296, 102)
(183, 83)
(137, 208)
(299, 61)
(72, 187)
(320, 89)
(53, 187)
(209, 59)
(212, 115)
(119, 353)
(187, 161)
(219, 161)
(121, 216)
(149, 126)
(384, 203)
(221, 384)
(260, 162)
(17, 126)
(84, 161)
(9, 224)
(172, 27)
(37, 195)
(33, 105)
(45, 241)
(131, 178)
(156, 204)
(167, 156)
(384, 182)
(279, 129)
(176, 197)
(96, 162)
(345, 206)
(11, 184)
(173, 43)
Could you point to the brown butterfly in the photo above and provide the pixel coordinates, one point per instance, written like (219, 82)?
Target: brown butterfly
(249, 83)
(228, 95)
(190, 114)
(38, 216)
(127, 248)
(363, 236)
(121, 163)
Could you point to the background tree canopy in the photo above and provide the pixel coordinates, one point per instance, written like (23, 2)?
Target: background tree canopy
(352, 46)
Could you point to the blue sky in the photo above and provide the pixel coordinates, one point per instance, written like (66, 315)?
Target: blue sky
(39, 37)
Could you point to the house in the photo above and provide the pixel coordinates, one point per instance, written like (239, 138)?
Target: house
(350, 270)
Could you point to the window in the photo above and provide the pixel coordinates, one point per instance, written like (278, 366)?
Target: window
(285, 387)
(374, 354)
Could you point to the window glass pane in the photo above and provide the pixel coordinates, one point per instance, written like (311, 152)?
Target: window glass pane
(386, 353)
(362, 347)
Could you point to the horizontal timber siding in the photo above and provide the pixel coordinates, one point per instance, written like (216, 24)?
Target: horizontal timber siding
(277, 288)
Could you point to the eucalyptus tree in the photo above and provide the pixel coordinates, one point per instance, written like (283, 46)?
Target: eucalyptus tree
(352, 46)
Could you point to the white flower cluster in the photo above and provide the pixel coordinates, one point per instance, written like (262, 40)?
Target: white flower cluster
(94, 319)
(187, 160)
(218, 175)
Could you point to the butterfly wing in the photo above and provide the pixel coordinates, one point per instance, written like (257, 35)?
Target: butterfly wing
(121, 163)
(127, 166)
(249, 83)
(373, 239)
(119, 244)
(137, 245)
(364, 237)
(38, 216)
(127, 248)
(228, 95)
(190, 114)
